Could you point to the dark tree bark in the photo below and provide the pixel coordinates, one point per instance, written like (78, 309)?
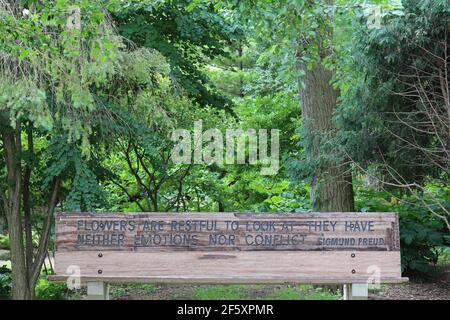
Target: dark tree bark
(12, 146)
(26, 197)
(331, 186)
(36, 267)
(25, 264)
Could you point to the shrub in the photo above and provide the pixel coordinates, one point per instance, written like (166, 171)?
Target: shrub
(5, 282)
(46, 290)
(422, 235)
(4, 241)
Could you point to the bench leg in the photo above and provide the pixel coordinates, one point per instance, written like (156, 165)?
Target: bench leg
(97, 290)
(356, 291)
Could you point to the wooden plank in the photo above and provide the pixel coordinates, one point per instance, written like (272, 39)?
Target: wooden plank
(256, 248)
(199, 281)
(253, 266)
(146, 232)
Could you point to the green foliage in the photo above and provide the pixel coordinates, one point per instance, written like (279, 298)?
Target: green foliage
(382, 119)
(46, 290)
(243, 187)
(101, 107)
(191, 35)
(5, 282)
(4, 241)
(230, 292)
(304, 292)
(444, 254)
(73, 62)
(236, 292)
(24, 100)
(119, 291)
(84, 192)
(421, 234)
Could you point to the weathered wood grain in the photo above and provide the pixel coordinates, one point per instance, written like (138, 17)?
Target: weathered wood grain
(312, 260)
(235, 280)
(303, 231)
(236, 267)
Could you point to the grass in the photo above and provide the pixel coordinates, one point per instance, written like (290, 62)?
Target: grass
(444, 256)
(236, 292)
(117, 291)
(231, 292)
(304, 292)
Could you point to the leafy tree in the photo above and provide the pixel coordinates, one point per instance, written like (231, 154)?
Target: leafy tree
(185, 35)
(136, 146)
(394, 114)
(302, 33)
(87, 113)
(50, 68)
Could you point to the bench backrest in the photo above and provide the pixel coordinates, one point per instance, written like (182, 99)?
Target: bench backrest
(229, 247)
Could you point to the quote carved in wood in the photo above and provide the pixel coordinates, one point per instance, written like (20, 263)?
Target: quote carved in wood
(224, 247)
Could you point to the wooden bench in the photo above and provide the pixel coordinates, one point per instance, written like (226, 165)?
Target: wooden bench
(353, 249)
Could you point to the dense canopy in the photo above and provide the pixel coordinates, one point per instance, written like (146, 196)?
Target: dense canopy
(346, 101)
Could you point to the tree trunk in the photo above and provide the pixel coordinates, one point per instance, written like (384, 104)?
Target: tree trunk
(20, 287)
(35, 269)
(26, 198)
(331, 184)
(331, 187)
(11, 201)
